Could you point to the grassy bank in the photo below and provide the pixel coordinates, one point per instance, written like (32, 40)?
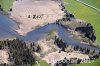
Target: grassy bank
(6, 4)
(86, 13)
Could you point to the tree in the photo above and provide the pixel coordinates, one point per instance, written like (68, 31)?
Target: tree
(93, 52)
(99, 53)
(87, 51)
(0, 6)
(10, 9)
(63, 49)
(0, 47)
(1, 9)
(88, 31)
(38, 49)
(28, 16)
(76, 47)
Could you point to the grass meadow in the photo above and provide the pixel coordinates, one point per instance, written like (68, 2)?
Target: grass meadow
(6, 4)
(86, 13)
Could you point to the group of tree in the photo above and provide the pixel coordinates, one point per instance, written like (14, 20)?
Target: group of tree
(92, 54)
(35, 48)
(19, 53)
(67, 16)
(88, 32)
(59, 42)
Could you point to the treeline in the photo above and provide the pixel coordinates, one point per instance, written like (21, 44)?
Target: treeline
(19, 53)
(68, 16)
(61, 44)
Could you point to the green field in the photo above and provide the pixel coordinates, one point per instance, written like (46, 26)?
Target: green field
(96, 63)
(6, 4)
(88, 14)
(85, 13)
(95, 3)
(42, 63)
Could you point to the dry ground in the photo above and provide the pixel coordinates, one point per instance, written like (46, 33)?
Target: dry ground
(4, 56)
(53, 57)
(46, 11)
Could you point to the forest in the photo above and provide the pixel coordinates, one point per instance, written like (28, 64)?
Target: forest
(19, 53)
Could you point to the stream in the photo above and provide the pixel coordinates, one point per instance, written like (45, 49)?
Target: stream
(8, 27)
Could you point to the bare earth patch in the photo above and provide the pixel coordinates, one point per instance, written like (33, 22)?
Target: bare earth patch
(30, 13)
(47, 46)
(3, 56)
(53, 57)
